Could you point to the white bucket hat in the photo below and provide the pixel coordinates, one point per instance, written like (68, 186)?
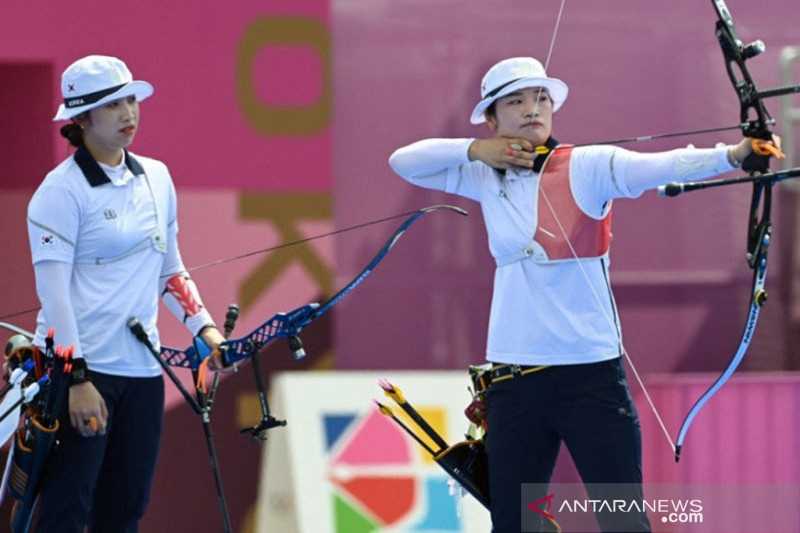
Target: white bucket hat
(93, 81)
(513, 74)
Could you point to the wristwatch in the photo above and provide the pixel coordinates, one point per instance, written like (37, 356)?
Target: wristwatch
(79, 372)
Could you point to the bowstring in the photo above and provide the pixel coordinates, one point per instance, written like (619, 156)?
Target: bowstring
(585, 275)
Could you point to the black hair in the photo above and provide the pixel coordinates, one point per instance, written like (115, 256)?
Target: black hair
(73, 132)
(491, 111)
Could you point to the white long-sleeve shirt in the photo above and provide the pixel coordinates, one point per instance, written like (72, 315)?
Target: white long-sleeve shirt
(548, 314)
(103, 242)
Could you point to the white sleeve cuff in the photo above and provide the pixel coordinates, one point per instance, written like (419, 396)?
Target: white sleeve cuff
(197, 322)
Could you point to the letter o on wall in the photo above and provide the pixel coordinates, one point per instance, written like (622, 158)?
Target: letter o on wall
(273, 120)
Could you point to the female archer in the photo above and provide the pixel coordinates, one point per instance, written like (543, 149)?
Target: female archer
(555, 347)
(103, 236)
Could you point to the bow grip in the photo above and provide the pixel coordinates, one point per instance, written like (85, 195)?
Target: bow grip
(200, 351)
(756, 163)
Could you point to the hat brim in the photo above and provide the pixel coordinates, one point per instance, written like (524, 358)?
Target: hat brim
(558, 92)
(140, 89)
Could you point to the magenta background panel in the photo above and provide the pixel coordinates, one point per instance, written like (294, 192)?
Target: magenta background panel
(745, 435)
(189, 52)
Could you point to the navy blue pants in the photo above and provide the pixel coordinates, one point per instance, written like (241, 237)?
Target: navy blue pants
(589, 408)
(104, 481)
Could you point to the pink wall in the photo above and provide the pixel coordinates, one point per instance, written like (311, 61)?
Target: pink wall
(731, 440)
(203, 62)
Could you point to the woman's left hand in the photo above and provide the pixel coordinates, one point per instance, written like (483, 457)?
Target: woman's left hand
(741, 151)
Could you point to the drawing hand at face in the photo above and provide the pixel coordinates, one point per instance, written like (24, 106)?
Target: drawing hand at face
(503, 152)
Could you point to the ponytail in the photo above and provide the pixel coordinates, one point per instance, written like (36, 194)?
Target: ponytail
(73, 133)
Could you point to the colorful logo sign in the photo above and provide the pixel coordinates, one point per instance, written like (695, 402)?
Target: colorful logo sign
(383, 480)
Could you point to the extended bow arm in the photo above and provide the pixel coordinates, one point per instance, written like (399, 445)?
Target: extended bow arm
(289, 325)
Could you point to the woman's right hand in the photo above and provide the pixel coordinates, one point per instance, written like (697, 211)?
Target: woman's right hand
(503, 152)
(85, 404)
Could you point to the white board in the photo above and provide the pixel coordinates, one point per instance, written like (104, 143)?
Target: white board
(339, 466)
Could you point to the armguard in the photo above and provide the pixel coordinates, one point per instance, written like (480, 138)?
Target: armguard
(182, 298)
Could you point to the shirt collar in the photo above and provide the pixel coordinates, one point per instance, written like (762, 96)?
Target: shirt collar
(92, 171)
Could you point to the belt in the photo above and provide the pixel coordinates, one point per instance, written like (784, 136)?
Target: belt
(503, 372)
(484, 376)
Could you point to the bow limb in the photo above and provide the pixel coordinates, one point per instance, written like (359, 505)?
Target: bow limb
(385, 249)
(289, 325)
(757, 299)
(759, 236)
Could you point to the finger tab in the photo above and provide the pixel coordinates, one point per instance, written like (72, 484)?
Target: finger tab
(768, 148)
